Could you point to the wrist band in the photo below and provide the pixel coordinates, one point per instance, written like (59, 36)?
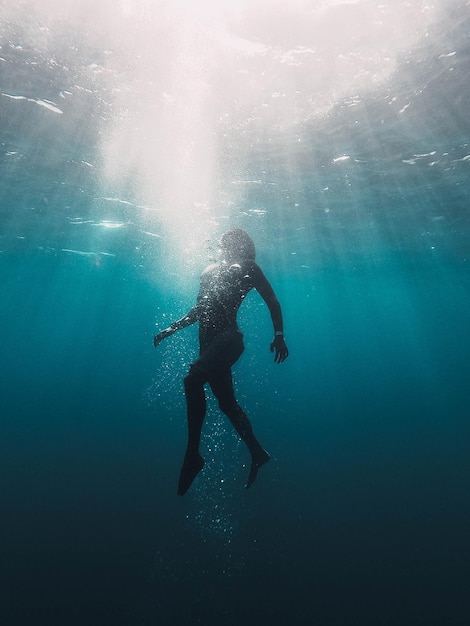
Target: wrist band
(279, 333)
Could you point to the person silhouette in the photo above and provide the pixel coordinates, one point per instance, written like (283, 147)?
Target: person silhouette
(223, 287)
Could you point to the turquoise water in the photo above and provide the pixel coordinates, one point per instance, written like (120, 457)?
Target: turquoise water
(118, 174)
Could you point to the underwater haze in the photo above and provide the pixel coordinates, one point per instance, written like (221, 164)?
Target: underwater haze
(132, 134)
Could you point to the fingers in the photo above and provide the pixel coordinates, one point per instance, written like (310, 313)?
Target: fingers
(281, 353)
(159, 338)
(281, 356)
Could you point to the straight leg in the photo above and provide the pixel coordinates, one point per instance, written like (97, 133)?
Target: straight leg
(196, 412)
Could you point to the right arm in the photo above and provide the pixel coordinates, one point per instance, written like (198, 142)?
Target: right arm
(187, 320)
(190, 318)
(193, 315)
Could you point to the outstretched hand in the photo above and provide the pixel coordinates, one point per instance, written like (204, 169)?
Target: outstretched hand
(163, 334)
(278, 346)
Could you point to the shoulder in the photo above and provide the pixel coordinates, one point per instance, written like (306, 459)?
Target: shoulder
(249, 272)
(210, 269)
(251, 268)
(258, 279)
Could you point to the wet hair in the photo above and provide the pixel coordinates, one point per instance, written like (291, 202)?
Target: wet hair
(238, 243)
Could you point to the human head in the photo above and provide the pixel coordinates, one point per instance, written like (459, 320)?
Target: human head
(237, 245)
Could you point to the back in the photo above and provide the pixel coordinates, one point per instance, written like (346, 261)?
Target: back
(223, 288)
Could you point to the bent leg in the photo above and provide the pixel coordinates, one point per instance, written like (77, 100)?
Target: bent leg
(222, 386)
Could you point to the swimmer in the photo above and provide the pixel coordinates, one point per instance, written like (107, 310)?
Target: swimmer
(223, 287)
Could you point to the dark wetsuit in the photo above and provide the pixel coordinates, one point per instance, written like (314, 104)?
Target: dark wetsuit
(222, 290)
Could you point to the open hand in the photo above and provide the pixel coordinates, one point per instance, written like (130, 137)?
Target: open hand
(279, 348)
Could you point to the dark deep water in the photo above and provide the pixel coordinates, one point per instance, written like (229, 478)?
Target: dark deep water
(360, 215)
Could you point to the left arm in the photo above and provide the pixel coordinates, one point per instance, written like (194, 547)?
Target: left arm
(264, 288)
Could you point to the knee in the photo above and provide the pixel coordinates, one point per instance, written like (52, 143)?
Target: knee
(228, 406)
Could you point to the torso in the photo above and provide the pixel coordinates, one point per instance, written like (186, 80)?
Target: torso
(223, 289)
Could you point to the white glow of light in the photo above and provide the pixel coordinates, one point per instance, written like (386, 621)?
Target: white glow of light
(109, 224)
(193, 86)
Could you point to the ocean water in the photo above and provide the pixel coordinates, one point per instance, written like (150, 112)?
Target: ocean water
(131, 136)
